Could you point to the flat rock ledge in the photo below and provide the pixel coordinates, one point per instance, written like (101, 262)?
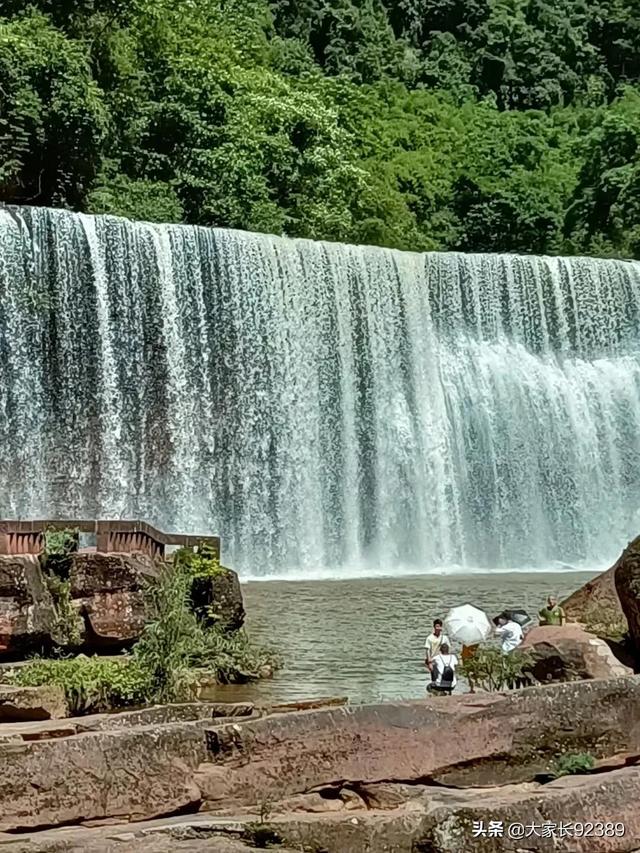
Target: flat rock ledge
(407, 776)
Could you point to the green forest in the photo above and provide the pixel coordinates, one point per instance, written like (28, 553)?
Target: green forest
(472, 125)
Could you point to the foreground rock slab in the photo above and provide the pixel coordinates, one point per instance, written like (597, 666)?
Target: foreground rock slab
(329, 764)
(526, 818)
(466, 740)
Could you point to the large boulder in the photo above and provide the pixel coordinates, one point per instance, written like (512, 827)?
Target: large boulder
(568, 653)
(596, 605)
(217, 599)
(125, 774)
(108, 591)
(627, 580)
(27, 615)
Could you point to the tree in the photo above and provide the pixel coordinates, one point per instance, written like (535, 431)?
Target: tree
(604, 215)
(52, 116)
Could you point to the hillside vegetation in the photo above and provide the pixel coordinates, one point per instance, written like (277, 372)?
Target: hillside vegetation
(475, 125)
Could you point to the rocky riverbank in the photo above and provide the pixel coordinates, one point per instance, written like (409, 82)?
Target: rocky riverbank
(401, 777)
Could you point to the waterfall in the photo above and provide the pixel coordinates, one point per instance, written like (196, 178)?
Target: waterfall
(323, 407)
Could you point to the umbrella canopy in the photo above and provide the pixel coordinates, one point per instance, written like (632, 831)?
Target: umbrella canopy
(468, 625)
(519, 616)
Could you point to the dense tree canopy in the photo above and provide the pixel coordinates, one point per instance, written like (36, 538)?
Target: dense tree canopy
(479, 125)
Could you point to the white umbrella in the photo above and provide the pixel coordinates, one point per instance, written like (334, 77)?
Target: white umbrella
(468, 625)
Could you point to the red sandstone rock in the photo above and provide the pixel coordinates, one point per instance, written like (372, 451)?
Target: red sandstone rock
(627, 579)
(596, 601)
(217, 600)
(27, 616)
(18, 704)
(458, 741)
(107, 590)
(568, 653)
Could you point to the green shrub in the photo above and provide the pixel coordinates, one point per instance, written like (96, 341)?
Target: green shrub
(58, 547)
(91, 684)
(573, 764)
(167, 644)
(199, 563)
(176, 643)
(67, 627)
(492, 670)
(55, 559)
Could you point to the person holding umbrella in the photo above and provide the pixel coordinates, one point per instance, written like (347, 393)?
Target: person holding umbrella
(469, 626)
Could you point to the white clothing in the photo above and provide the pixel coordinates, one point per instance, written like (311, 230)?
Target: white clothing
(432, 644)
(511, 636)
(439, 663)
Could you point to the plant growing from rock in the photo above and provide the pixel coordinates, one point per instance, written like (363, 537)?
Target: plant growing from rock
(492, 670)
(55, 559)
(573, 764)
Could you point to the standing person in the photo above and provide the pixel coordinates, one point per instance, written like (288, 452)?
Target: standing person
(443, 669)
(510, 634)
(552, 614)
(433, 643)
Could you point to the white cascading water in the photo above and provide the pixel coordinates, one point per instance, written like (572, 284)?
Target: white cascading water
(325, 408)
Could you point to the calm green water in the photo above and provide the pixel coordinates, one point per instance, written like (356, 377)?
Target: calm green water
(364, 638)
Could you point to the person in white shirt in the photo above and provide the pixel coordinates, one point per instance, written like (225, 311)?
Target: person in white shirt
(443, 671)
(433, 643)
(510, 634)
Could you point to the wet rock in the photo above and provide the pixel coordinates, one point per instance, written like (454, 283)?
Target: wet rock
(217, 600)
(568, 653)
(627, 580)
(27, 616)
(443, 821)
(107, 589)
(19, 704)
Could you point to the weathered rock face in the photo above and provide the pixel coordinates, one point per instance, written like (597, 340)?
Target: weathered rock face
(125, 774)
(597, 604)
(18, 704)
(27, 615)
(568, 653)
(217, 599)
(627, 580)
(107, 590)
(468, 740)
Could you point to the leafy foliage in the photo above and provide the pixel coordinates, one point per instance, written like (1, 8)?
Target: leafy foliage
(492, 670)
(201, 562)
(55, 558)
(176, 642)
(573, 763)
(420, 124)
(91, 684)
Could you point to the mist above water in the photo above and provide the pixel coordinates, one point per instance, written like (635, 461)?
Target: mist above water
(325, 408)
